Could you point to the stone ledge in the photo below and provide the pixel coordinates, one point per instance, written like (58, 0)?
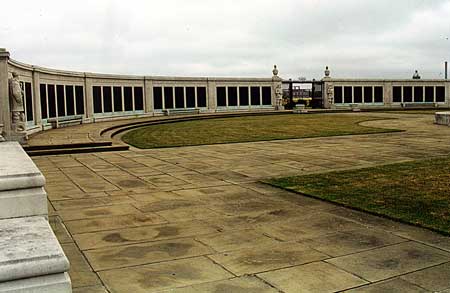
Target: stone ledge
(29, 249)
(23, 203)
(58, 283)
(17, 170)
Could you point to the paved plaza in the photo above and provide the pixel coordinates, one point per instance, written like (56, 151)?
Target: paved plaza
(197, 219)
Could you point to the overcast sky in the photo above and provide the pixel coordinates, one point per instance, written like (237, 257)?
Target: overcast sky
(356, 38)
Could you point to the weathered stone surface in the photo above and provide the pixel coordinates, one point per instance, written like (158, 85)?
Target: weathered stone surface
(29, 249)
(142, 234)
(80, 272)
(154, 277)
(23, 203)
(434, 279)
(237, 285)
(265, 258)
(394, 286)
(314, 277)
(56, 283)
(17, 170)
(391, 261)
(145, 253)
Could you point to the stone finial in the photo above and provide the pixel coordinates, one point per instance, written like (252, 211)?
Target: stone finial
(416, 75)
(275, 71)
(327, 72)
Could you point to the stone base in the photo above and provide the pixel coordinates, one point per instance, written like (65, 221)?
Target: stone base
(57, 283)
(442, 118)
(23, 203)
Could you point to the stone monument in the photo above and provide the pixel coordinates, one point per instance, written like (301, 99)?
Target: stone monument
(16, 104)
(278, 89)
(416, 75)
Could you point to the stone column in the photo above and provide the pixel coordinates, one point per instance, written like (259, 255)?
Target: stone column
(5, 117)
(387, 94)
(277, 90)
(148, 85)
(88, 101)
(211, 92)
(37, 98)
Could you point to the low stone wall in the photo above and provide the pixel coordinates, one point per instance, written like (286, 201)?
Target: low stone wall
(31, 259)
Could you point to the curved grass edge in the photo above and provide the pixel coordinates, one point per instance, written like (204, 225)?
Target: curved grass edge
(275, 182)
(123, 136)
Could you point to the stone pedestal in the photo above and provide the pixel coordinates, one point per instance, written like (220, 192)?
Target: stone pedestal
(31, 259)
(22, 191)
(442, 118)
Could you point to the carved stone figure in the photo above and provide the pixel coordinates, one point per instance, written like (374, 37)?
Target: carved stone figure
(275, 71)
(16, 103)
(416, 75)
(279, 96)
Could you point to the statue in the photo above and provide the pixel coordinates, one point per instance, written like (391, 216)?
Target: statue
(279, 96)
(275, 71)
(16, 103)
(416, 75)
(327, 72)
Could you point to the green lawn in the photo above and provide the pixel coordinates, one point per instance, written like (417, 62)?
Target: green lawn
(415, 192)
(250, 128)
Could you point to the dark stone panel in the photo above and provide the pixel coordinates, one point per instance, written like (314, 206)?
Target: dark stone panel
(418, 94)
(232, 96)
(357, 91)
(201, 97)
(60, 99)
(190, 97)
(338, 95)
(243, 96)
(378, 94)
(368, 94)
(168, 97)
(128, 98)
(179, 97)
(397, 94)
(51, 101)
(407, 94)
(348, 95)
(79, 99)
(43, 92)
(157, 98)
(221, 96)
(117, 93)
(107, 99)
(440, 94)
(29, 101)
(138, 98)
(70, 100)
(266, 95)
(97, 97)
(429, 94)
(255, 96)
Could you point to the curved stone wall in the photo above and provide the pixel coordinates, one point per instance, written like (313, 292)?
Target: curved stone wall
(55, 98)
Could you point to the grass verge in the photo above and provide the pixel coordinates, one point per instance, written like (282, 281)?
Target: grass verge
(248, 129)
(415, 192)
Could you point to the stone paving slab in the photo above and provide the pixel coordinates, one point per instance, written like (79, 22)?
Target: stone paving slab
(156, 277)
(208, 196)
(145, 253)
(262, 258)
(391, 261)
(314, 277)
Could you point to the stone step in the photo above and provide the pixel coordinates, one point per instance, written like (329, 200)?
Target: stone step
(66, 151)
(67, 146)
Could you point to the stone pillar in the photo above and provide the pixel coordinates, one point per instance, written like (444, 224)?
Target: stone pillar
(211, 92)
(88, 101)
(148, 85)
(387, 94)
(5, 120)
(37, 98)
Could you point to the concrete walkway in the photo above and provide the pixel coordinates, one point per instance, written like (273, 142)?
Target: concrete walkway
(195, 219)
